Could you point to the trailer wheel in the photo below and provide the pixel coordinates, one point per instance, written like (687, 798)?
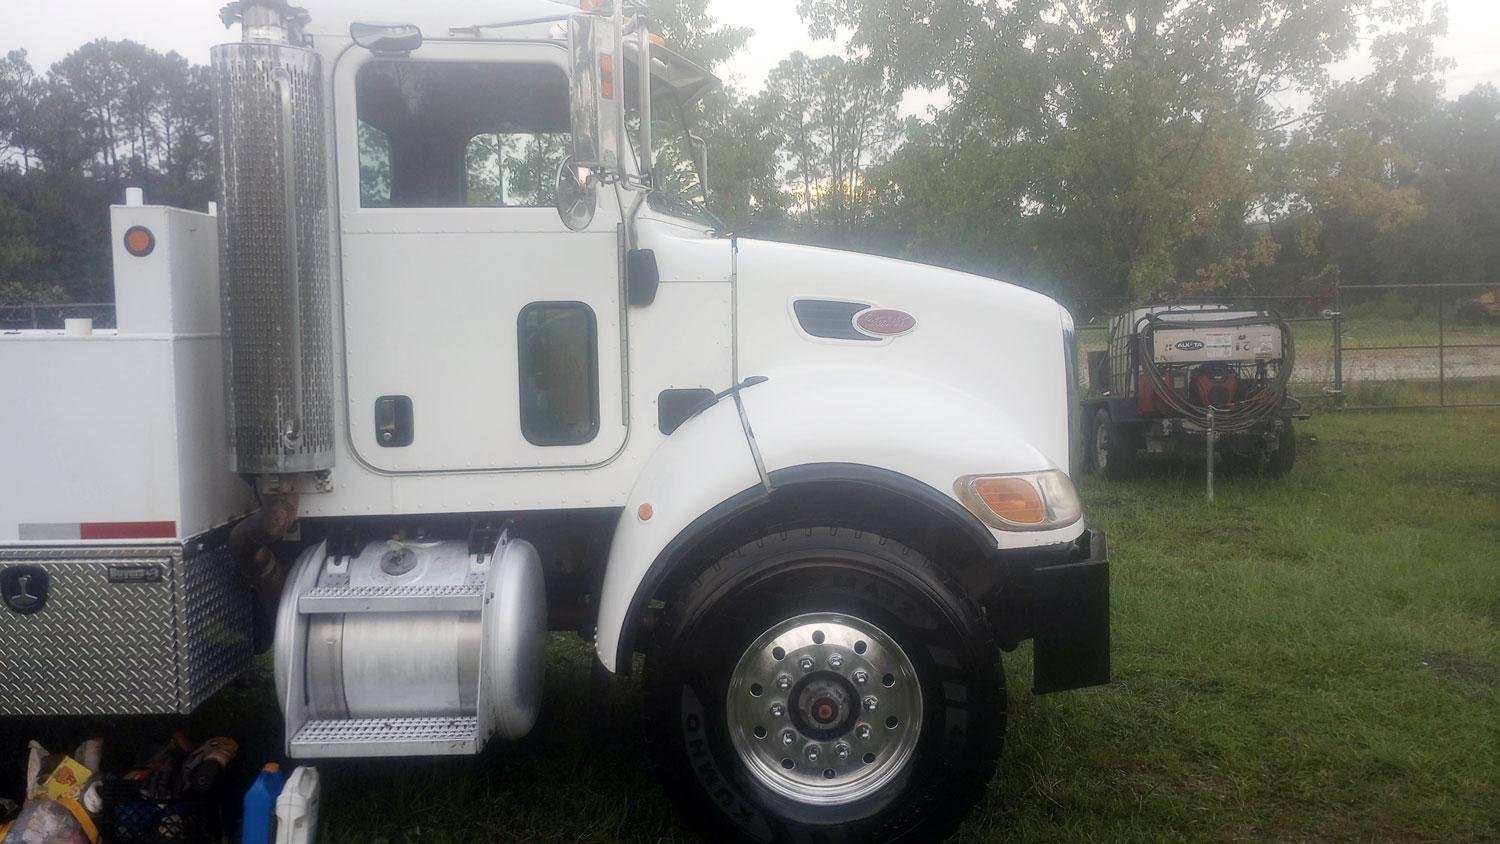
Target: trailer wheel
(1111, 450)
(1471, 313)
(825, 684)
(1285, 455)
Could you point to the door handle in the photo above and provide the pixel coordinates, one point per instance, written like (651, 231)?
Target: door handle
(393, 421)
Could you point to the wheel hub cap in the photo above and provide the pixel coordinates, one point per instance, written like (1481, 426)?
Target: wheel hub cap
(824, 708)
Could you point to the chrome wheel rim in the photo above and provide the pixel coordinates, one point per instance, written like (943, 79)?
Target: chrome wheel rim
(824, 708)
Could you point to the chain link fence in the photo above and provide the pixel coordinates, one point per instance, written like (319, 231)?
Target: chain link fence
(1358, 346)
(32, 317)
(1418, 345)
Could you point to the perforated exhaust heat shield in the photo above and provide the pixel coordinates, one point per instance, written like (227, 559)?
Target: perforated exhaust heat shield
(274, 258)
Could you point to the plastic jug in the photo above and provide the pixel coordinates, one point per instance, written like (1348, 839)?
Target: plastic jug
(260, 803)
(297, 808)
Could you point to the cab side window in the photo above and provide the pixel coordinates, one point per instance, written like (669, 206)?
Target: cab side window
(460, 134)
(559, 358)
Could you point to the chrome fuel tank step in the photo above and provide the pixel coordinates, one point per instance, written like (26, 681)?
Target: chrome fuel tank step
(403, 648)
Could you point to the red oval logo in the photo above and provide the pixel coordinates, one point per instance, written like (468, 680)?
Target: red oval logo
(885, 322)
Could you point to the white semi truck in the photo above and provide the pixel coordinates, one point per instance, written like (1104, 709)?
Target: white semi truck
(461, 358)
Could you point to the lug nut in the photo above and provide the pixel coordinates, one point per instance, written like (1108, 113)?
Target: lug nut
(783, 682)
(861, 677)
(841, 750)
(863, 731)
(805, 663)
(813, 753)
(836, 661)
(777, 710)
(787, 736)
(871, 703)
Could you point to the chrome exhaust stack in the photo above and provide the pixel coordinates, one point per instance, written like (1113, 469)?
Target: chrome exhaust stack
(273, 243)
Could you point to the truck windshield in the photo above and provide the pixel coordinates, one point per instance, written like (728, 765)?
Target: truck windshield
(677, 186)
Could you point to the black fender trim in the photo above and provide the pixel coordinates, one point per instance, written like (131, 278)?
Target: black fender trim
(727, 512)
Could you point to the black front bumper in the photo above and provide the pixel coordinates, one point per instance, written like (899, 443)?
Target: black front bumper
(1059, 600)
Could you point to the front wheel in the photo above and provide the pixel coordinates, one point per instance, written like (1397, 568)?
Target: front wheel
(825, 684)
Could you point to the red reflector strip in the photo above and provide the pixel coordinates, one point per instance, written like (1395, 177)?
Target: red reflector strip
(127, 530)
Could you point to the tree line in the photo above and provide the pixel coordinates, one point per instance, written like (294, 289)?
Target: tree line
(110, 114)
(1088, 148)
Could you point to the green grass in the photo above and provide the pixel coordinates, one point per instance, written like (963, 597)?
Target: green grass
(1315, 659)
(1455, 392)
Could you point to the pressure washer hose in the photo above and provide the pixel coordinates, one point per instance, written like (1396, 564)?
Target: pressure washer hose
(1243, 415)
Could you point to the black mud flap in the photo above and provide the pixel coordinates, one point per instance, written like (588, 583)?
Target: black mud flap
(1071, 634)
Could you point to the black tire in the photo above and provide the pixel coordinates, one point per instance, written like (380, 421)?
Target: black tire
(1281, 460)
(720, 622)
(1111, 451)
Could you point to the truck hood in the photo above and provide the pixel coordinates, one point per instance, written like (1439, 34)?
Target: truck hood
(998, 342)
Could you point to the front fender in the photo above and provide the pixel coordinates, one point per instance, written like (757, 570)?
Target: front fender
(706, 461)
(913, 426)
(706, 471)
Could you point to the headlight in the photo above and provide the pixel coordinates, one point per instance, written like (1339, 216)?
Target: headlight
(1030, 501)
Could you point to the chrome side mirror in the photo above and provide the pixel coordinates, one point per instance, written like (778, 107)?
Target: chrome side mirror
(577, 195)
(594, 104)
(387, 38)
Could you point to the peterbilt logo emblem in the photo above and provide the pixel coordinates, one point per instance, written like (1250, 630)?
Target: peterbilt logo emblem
(1190, 345)
(24, 588)
(885, 322)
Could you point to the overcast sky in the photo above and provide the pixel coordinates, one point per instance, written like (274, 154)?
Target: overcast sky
(49, 29)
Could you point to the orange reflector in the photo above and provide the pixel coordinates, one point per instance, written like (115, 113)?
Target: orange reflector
(645, 512)
(1012, 499)
(139, 241)
(607, 76)
(657, 39)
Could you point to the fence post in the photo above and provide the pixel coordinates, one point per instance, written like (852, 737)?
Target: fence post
(1442, 364)
(1338, 339)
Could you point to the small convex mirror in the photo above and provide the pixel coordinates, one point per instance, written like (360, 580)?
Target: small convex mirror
(386, 37)
(576, 195)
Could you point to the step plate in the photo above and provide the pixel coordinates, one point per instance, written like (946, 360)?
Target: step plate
(326, 599)
(386, 737)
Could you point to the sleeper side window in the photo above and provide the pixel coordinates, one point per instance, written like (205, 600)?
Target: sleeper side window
(460, 134)
(559, 360)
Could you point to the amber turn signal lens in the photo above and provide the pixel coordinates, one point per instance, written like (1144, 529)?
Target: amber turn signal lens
(1012, 499)
(607, 76)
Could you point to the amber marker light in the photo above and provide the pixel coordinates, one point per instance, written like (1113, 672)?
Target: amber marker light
(607, 76)
(1030, 501)
(1012, 499)
(139, 241)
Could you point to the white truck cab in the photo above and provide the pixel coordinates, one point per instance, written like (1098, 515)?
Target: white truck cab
(490, 368)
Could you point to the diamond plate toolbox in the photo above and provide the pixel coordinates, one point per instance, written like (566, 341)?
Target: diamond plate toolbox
(129, 629)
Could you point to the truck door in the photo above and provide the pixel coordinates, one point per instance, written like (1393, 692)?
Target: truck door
(479, 333)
